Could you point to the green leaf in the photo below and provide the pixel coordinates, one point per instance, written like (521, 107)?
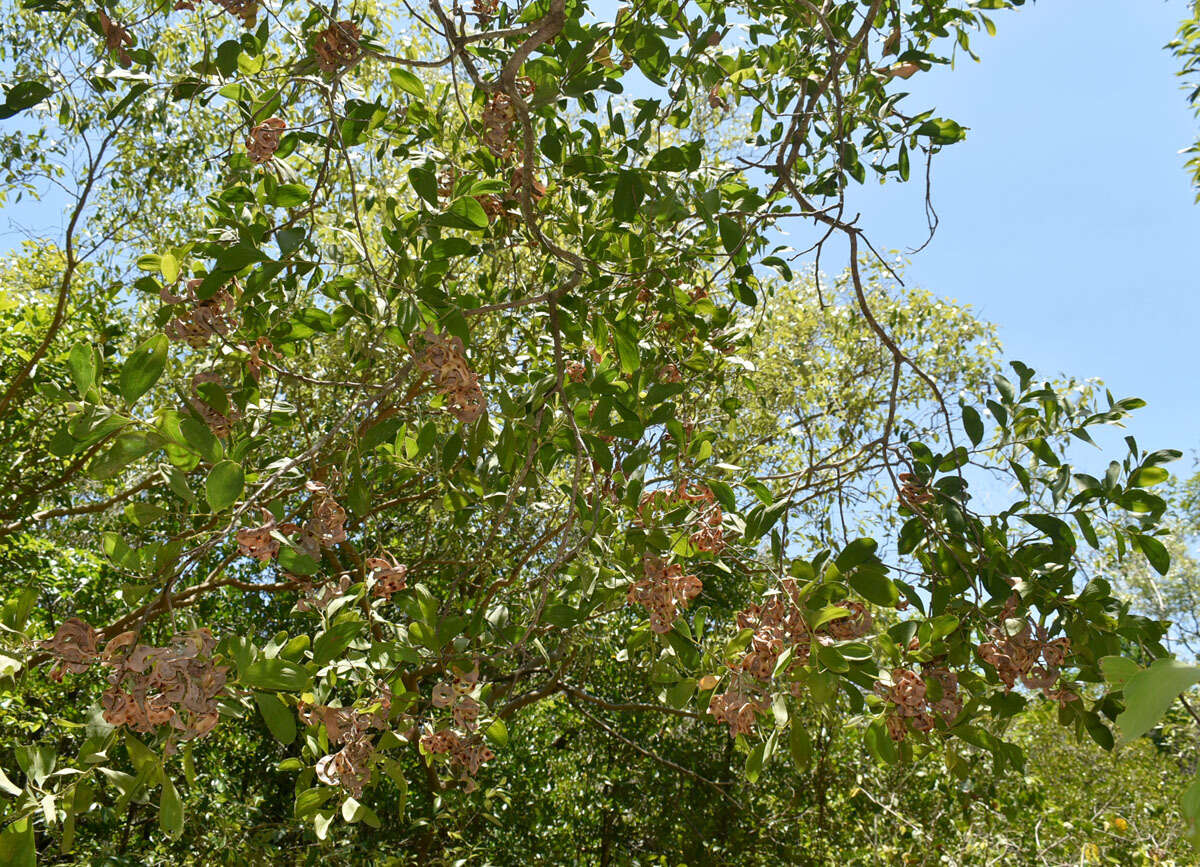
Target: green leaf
(1162, 456)
(1190, 804)
(858, 551)
(126, 449)
(279, 718)
(669, 159)
(731, 234)
(198, 436)
(321, 823)
(127, 785)
(754, 763)
(425, 184)
(943, 625)
(142, 756)
(1100, 733)
(1155, 551)
(231, 259)
(224, 485)
(832, 659)
(143, 368)
(407, 82)
(276, 675)
(855, 651)
(448, 248)
(972, 424)
(627, 348)
(1117, 670)
(1056, 528)
(1145, 477)
(170, 809)
(8, 786)
(353, 811)
(37, 761)
(628, 195)
(288, 240)
(870, 582)
(310, 800)
(1150, 692)
(16, 609)
(17, 845)
(942, 131)
(827, 615)
(497, 733)
(767, 518)
(465, 213)
(583, 164)
(1085, 527)
(23, 95)
(333, 642)
(134, 94)
(296, 562)
(83, 364)
(168, 266)
(1141, 502)
(800, 745)
(879, 743)
(289, 195)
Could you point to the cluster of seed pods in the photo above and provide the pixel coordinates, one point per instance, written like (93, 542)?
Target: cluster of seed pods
(1027, 654)
(116, 39)
(206, 317)
(707, 519)
(911, 704)
(337, 46)
(349, 767)
(663, 591)
(444, 361)
(460, 741)
(264, 139)
(177, 686)
(777, 625)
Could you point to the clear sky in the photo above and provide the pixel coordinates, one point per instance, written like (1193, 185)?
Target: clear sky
(1066, 216)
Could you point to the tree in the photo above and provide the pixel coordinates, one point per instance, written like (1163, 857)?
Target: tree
(444, 390)
(1186, 46)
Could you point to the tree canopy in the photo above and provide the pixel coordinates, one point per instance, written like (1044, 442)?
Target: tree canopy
(423, 409)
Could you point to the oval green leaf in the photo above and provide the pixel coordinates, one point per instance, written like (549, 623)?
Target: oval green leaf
(276, 675)
(279, 719)
(224, 485)
(143, 368)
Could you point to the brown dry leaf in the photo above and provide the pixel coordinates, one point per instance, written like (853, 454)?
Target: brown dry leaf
(899, 70)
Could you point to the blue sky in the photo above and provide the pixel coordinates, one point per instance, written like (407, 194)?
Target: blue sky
(1066, 216)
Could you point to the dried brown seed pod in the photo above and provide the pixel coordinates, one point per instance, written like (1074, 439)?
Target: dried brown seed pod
(257, 542)
(207, 317)
(388, 577)
(443, 361)
(116, 39)
(663, 592)
(264, 139)
(336, 47)
(537, 188)
(74, 644)
(245, 11)
(498, 117)
(485, 10)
